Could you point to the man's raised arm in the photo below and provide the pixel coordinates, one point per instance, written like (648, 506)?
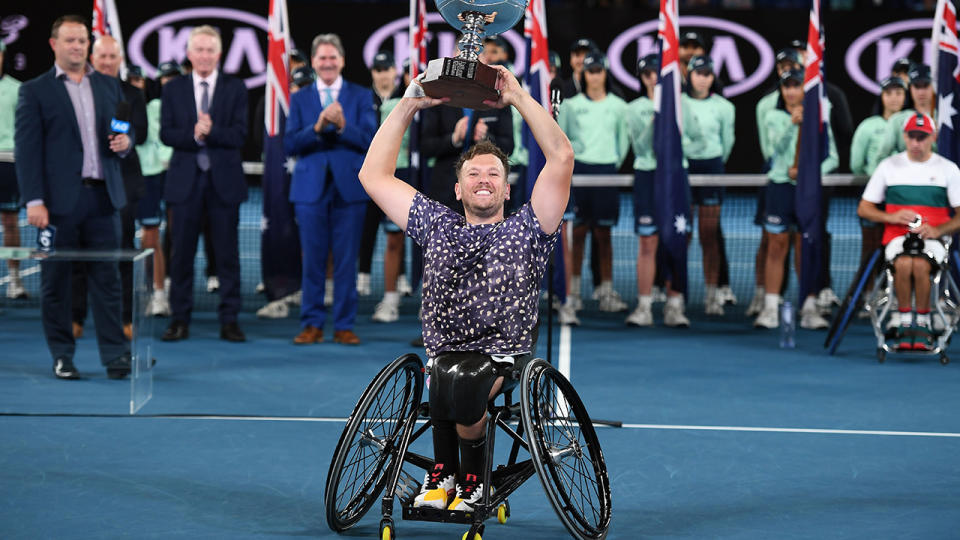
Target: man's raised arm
(552, 189)
(377, 175)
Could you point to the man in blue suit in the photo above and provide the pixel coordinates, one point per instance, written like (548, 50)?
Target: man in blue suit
(68, 168)
(203, 117)
(329, 129)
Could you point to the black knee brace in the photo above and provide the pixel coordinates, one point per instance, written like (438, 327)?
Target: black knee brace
(460, 384)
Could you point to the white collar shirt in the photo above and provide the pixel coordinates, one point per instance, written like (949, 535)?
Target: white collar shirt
(211, 81)
(334, 89)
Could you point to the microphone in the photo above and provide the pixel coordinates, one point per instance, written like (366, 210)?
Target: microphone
(556, 96)
(120, 123)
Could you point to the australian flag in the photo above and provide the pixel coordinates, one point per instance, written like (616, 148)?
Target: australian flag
(671, 190)
(814, 147)
(537, 81)
(279, 237)
(946, 74)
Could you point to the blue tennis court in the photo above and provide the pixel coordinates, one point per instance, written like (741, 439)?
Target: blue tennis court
(725, 435)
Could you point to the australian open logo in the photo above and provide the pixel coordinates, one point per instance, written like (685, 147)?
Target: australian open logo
(871, 56)
(164, 39)
(441, 42)
(740, 56)
(119, 126)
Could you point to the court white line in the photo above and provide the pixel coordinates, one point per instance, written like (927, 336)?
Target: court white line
(677, 427)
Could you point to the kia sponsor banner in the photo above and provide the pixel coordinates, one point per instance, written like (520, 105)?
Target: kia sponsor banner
(862, 47)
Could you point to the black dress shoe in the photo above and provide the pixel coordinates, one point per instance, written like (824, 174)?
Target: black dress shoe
(176, 331)
(119, 367)
(232, 332)
(63, 368)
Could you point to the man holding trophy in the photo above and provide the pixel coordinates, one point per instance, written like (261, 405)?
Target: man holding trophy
(482, 272)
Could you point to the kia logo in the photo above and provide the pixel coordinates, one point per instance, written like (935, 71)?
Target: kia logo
(725, 53)
(888, 49)
(172, 32)
(395, 36)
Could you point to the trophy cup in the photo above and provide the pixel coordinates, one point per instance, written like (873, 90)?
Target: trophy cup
(464, 79)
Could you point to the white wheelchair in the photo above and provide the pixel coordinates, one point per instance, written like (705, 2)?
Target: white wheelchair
(880, 303)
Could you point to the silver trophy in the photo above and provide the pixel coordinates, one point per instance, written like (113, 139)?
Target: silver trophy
(464, 79)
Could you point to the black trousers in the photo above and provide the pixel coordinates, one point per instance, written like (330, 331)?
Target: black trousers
(186, 222)
(92, 225)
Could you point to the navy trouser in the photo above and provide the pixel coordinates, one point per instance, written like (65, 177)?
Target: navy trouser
(187, 222)
(92, 225)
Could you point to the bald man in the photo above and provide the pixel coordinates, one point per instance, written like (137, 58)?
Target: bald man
(106, 58)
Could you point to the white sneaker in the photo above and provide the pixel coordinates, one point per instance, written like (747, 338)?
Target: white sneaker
(756, 303)
(810, 317)
(15, 288)
(726, 296)
(278, 309)
(213, 284)
(568, 315)
(673, 313)
(713, 307)
(386, 312)
(403, 285)
(294, 299)
(159, 306)
(768, 318)
(437, 489)
(469, 494)
(641, 316)
(363, 284)
(575, 302)
(612, 303)
(826, 300)
(328, 295)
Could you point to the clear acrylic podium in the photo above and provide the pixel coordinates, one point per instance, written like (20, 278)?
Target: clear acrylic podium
(141, 346)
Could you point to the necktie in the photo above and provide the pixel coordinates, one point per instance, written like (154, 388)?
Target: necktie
(327, 97)
(468, 138)
(203, 158)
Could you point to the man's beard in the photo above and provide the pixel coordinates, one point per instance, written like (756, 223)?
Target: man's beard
(483, 212)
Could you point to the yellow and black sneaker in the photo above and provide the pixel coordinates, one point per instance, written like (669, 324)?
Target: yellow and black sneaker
(438, 487)
(469, 493)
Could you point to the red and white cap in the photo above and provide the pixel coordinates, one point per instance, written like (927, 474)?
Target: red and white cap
(919, 122)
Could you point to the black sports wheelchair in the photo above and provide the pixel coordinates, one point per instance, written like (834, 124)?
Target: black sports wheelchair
(551, 423)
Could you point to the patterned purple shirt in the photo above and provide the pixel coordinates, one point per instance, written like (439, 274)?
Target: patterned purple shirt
(481, 283)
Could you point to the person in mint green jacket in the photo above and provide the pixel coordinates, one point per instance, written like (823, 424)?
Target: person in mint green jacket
(924, 98)
(783, 132)
(787, 59)
(9, 190)
(707, 145)
(594, 122)
(640, 114)
(154, 160)
(866, 147)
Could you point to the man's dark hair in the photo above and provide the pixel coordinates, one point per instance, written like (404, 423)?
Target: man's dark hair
(480, 148)
(78, 19)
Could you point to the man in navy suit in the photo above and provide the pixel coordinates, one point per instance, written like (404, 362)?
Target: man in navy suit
(68, 168)
(203, 117)
(329, 129)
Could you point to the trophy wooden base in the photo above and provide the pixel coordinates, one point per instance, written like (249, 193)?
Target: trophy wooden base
(466, 82)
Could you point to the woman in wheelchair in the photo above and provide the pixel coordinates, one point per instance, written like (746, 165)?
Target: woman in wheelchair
(481, 279)
(919, 188)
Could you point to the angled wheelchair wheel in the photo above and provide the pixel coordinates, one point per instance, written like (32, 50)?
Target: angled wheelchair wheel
(565, 451)
(367, 445)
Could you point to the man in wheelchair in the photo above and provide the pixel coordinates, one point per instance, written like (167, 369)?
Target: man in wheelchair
(481, 278)
(919, 188)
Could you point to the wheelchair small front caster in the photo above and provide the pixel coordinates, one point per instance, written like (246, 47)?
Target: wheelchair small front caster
(386, 530)
(503, 512)
(944, 359)
(474, 533)
(881, 355)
